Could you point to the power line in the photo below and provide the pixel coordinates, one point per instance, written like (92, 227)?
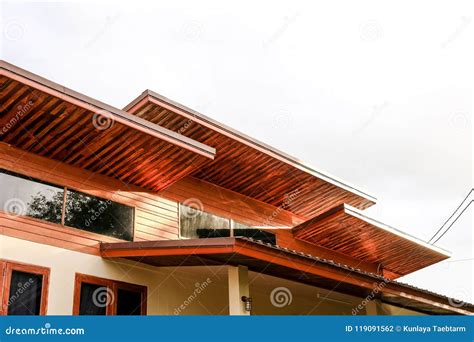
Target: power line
(453, 222)
(450, 217)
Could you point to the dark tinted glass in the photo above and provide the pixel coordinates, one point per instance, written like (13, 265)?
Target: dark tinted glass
(241, 229)
(99, 215)
(20, 195)
(25, 293)
(94, 299)
(198, 224)
(129, 303)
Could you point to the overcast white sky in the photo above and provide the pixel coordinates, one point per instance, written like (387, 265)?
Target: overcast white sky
(378, 93)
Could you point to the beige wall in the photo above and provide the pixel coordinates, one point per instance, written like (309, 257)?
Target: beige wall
(168, 288)
(174, 290)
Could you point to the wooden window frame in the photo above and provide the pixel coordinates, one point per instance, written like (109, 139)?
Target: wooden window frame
(114, 286)
(7, 267)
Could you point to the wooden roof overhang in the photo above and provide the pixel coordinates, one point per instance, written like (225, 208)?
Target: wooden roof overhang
(347, 230)
(50, 120)
(284, 263)
(250, 167)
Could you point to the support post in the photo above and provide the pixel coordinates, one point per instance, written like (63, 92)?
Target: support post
(374, 308)
(238, 277)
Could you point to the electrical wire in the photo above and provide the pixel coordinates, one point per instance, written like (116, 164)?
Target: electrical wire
(454, 212)
(453, 222)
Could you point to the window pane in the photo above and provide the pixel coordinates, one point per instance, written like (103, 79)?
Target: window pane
(129, 302)
(25, 293)
(198, 224)
(241, 229)
(94, 299)
(23, 196)
(99, 215)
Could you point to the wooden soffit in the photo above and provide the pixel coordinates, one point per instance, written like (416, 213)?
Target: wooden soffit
(249, 167)
(347, 230)
(50, 120)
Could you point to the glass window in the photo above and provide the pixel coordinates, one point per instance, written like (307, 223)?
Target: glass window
(23, 288)
(23, 196)
(93, 299)
(99, 296)
(199, 224)
(129, 303)
(98, 215)
(241, 229)
(25, 293)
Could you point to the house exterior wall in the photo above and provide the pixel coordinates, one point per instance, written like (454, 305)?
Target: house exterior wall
(156, 214)
(170, 290)
(173, 291)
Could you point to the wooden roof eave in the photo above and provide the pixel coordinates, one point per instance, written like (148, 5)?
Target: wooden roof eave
(311, 231)
(93, 105)
(153, 97)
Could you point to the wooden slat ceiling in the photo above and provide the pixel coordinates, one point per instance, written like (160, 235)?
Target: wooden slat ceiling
(249, 167)
(348, 231)
(41, 119)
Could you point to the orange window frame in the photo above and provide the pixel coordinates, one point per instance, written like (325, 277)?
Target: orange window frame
(114, 286)
(6, 269)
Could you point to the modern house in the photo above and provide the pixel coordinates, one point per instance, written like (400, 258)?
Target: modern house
(157, 209)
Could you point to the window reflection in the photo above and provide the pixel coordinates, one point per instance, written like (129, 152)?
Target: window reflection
(20, 195)
(199, 224)
(98, 215)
